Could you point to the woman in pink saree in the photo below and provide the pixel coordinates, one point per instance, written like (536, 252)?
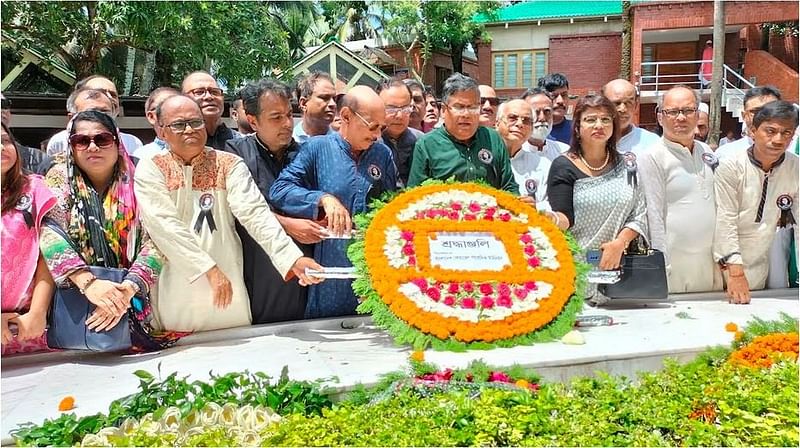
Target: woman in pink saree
(27, 287)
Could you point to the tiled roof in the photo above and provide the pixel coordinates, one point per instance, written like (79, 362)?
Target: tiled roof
(551, 9)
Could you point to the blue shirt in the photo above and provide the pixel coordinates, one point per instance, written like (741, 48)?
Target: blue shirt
(299, 134)
(325, 165)
(562, 132)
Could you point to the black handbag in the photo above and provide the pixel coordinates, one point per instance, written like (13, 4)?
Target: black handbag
(643, 276)
(70, 309)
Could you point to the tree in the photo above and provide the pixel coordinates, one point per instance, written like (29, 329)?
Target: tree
(627, 25)
(436, 25)
(298, 20)
(237, 40)
(348, 20)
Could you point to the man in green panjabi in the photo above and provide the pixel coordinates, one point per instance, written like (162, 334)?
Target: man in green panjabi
(462, 149)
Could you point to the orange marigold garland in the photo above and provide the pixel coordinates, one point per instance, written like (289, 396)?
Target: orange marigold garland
(765, 350)
(531, 299)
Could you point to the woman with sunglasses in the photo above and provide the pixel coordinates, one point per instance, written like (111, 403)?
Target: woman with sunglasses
(27, 286)
(594, 191)
(97, 210)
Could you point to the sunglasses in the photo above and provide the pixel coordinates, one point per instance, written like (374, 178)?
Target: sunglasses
(81, 142)
(492, 101)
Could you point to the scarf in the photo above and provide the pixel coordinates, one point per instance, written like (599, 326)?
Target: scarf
(105, 230)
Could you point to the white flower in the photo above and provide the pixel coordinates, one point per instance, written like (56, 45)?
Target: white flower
(109, 431)
(129, 426)
(192, 419)
(210, 413)
(95, 440)
(227, 416)
(171, 419)
(245, 416)
(263, 417)
(248, 438)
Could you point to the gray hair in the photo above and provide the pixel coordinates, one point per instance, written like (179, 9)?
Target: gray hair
(459, 83)
(697, 101)
(501, 111)
(89, 94)
(251, 94)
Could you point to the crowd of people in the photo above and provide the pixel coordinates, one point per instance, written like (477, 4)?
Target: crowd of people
(220, 228)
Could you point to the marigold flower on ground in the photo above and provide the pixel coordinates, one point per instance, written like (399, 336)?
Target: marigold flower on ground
(731, 327)
(67, 403)
(763, 351)
(418, 356)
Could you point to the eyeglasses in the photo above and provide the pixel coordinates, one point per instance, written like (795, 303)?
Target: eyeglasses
(492, 101)
(372, 127)
(526, 121)
(459, 109)
(201, 91)
(673, 113)
(81, 142)
(394, 110)
(179, 127)
(592, 120)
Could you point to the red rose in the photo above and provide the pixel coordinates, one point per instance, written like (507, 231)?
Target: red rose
(453, 215)
(531, 286)
(503, 289)
(406, 235)
(520, 293)
(474, 207)
(469, 217)
(487, 302)
(412, 260)
(530, 250)
(533, 262)
(486, 289)
(421, 283)
(430, 213)
(505, 217)
(408, 249)
(433, 293)
(526, 238)
(468, 287)
(456, 206)
(453, 288)
(504, 301)
(468, 303)
(449, 300)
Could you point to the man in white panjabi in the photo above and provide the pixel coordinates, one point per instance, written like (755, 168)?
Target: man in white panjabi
(189, 198)
(678, 177)
(538, 142)
(625, 97)
(756, 190)
(530, 167)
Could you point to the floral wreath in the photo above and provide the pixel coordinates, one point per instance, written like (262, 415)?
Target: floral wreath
(530, 298)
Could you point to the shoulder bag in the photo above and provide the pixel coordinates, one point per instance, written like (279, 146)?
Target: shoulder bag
(70, 309)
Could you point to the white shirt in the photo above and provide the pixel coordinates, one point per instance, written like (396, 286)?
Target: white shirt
(681, 213)
(637, 140)
(530, 168)
(734, 147)
(551, 148)
(299, 134)
(58, 143)
(157, 146)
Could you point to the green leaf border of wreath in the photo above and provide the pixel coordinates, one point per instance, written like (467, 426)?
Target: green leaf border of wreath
(404, 333)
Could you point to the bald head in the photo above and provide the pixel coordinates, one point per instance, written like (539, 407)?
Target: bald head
(204, 90)
(623, 94)
(363, 117)
(182, 126)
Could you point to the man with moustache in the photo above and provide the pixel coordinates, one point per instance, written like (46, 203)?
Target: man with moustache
(530, 167)
(625, 97)
(418, 99)
(266, 153)
(239, 115)
(756, 189)
(204, 90)
(489, 104)
(557, 85)
(158, 145)
(397, 135)
(335, 177)
(316, 95)
(189, 199)
(754, 99)
(542, 106)
(677, 173)
(462, 148)
(701, 130)
(433, 111)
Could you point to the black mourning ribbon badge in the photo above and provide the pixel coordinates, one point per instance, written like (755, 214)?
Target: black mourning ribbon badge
(785, 204)
(629, 160)
(711, 160)
(206, 204)
(25, 206)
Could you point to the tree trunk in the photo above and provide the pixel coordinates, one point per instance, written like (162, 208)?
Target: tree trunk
(130, 66)
(457, 56)
(627, 28)
(148, 73)
(715, 106)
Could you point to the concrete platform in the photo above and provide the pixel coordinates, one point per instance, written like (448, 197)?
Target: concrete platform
(349, 351)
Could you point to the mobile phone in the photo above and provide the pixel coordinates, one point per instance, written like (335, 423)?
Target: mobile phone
(593, 256)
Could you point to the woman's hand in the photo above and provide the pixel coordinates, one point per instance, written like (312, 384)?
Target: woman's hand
(102, 321)
(106, 296)
(612, 254)
(7, 336)
(30, 325)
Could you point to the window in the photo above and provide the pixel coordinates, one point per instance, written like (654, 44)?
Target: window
(518, 69)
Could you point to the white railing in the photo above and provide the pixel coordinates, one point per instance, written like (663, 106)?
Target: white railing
(657, 76)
